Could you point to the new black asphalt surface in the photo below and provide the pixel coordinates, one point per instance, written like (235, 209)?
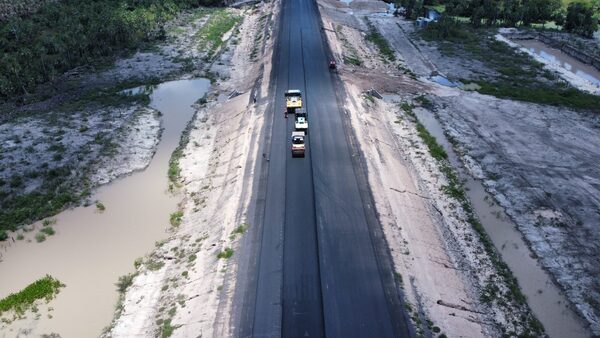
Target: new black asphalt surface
(317, 271)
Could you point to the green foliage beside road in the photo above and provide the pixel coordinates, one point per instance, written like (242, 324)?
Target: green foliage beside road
(45, 288)
(70, 33)
(580, 17)
(382, 44)
(517, 75)
(210, 36)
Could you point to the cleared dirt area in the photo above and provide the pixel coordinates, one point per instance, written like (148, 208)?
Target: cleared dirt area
(540, 162)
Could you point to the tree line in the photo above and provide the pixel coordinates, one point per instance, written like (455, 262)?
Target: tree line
(37, 48)
(577, 17)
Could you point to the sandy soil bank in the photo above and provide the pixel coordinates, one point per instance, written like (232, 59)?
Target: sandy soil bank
(190, 294)
(538, 161)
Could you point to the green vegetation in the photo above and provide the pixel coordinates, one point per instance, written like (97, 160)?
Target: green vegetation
(48, 231)
(3, 235)
(166, 328)
(352, 60)
(176, 218)
(382, 44)
(65, 34)
(226, 254)
(48, 221)
(45, 288)
(40, 237)
(580, 18)
(100, 206)
(54, 195)
(241, 229)
(154, 265)
(174, 171)
(519, 76)
(210, 36)
(125, 282)
(545, 94)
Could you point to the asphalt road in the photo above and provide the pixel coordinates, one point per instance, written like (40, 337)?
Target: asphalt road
(318, 272)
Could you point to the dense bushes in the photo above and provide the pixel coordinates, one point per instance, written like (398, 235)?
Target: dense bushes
(580, 19)
(70, 33)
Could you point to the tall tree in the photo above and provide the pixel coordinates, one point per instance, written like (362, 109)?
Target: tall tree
(580, 19)
(512, 12)
(539, 11)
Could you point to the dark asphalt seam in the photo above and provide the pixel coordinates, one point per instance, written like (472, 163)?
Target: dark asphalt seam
(314, 198)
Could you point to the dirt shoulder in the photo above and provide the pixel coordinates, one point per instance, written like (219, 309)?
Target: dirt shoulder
(440, 260)
(538, 161)
(191, 292)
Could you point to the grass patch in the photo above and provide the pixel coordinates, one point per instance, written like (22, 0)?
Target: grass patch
(241, 229)
(100, 206)
(544, 94)
(43, 289)
(225, 254)
(436, 150)
(210, 36)
(125, 282)
(176, 218)
(48, 231)
(167, 329)
(517, 75)
(382, 44)
(352, 60)
(40, 237)
(154, 265)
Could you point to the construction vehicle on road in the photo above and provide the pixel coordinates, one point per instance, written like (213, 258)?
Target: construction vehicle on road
(298, 147)
(301, 120)
(293, 99)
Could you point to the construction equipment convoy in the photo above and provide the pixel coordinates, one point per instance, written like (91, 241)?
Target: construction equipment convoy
(293, 105)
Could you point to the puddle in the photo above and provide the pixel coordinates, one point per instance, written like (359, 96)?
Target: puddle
(567, 62)
(544, 297)
(91, 249)
(443, 81)
(347, 2)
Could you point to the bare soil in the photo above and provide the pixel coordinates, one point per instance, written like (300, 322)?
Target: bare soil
(437, 255)
(192, 291)
(539, 162)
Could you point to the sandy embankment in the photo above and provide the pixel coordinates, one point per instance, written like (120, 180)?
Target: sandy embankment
(193, 285)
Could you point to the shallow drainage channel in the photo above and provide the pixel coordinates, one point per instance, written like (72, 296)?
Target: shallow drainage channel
(545, 299)
(91, 249)
(563, 60)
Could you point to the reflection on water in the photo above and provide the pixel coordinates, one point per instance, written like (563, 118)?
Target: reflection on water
(443, 81)
(557, 57)
(92, 249)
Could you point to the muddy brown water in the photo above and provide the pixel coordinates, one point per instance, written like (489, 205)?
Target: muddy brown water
(562, 59)
(92, 249)
(543, 296)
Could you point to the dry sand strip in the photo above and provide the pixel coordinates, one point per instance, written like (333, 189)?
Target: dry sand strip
(191, 293)
(439, 260)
